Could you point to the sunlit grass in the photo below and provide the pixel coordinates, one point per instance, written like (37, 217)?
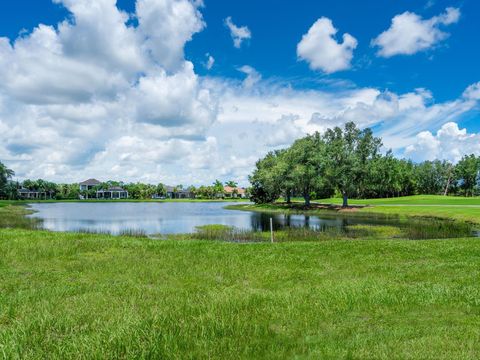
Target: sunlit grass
(96, 296)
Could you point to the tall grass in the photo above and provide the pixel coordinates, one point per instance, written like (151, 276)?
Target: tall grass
(14, 217)
(415, 229)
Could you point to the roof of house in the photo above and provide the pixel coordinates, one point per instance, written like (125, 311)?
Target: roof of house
(116, 188)
(230, 190)
(172, 189)
(28, 191)
(112, 188)
(90, 182)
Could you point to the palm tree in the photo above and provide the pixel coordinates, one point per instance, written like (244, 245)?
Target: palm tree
(5, 175)
(231, 183)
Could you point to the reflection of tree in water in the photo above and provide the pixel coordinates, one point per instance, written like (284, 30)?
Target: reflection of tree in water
(261, 221)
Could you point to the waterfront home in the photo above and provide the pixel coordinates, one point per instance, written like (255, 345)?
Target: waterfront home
(89, 184)
(175, 193)
(27, 194)
(113, 192)
(234, 192)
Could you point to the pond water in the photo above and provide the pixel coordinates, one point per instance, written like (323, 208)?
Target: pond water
(177, 217)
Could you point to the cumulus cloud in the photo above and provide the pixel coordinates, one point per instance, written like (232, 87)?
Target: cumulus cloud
(409, 33)
(321, 50)
(90, 99)
(166, 26)
(253, 76)
(93, 81)
(449, 143)
(239, 33)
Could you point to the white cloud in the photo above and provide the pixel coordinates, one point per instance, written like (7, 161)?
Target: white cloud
(450, 143)
(321, 50)
(210, 61)
(239, 33)
(409, 33)
(133, 109)
(166, 26)
(472, 92)
(253, 76)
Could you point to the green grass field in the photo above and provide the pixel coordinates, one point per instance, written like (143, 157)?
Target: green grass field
(66, 295)
(93, 296)
(436, 200)
(451, 207)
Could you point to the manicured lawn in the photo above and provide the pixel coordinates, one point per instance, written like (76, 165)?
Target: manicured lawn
(458, 208)
(452, 207)
(95, 296)
(413, 200)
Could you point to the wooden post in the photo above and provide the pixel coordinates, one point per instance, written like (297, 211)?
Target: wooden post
(271, 230)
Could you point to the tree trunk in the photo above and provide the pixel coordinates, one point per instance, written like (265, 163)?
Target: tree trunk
(449, 180)
(288, 197)
(345, 201)
(306, 196)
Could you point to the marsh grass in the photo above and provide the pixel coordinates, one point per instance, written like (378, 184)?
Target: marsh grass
(15, 217)
(434, 228)
(124, 232)
(413, 229)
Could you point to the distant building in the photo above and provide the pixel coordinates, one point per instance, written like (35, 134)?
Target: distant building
(27, 194)
(174, 193)
(89, 184)
(234, 192)
(113, 192)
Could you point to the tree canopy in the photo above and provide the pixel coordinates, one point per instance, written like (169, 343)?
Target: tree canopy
(348, 162)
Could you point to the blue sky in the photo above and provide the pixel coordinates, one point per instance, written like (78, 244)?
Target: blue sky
(421, 95)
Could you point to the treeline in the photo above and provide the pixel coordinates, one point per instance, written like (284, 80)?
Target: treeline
(349, 163)
(141, 191)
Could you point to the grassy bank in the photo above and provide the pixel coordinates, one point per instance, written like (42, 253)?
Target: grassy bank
(94, 296)
(447, 207)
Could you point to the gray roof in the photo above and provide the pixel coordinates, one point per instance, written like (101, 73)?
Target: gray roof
(179, 191)
(90, 182)
(115, 188)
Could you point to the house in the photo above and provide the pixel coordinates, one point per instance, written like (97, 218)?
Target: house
(175, 193)
(234, 192)
(89, 184)
(27, 194)
(113, 192)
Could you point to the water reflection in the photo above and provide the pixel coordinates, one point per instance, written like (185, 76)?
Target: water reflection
(173, 218)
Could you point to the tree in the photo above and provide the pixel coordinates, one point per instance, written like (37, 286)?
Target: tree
(218, 188)
(5, 175)
(266, 180)
(348, 154)
(231, 183)
(306, 165)
(467, 170)
(161, 190)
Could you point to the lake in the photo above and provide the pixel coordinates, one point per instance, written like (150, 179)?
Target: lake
(163, 217)
(178, 217)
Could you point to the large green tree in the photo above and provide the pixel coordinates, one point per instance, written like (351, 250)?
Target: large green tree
(348, 154)
(266, 180)
(467, 170)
